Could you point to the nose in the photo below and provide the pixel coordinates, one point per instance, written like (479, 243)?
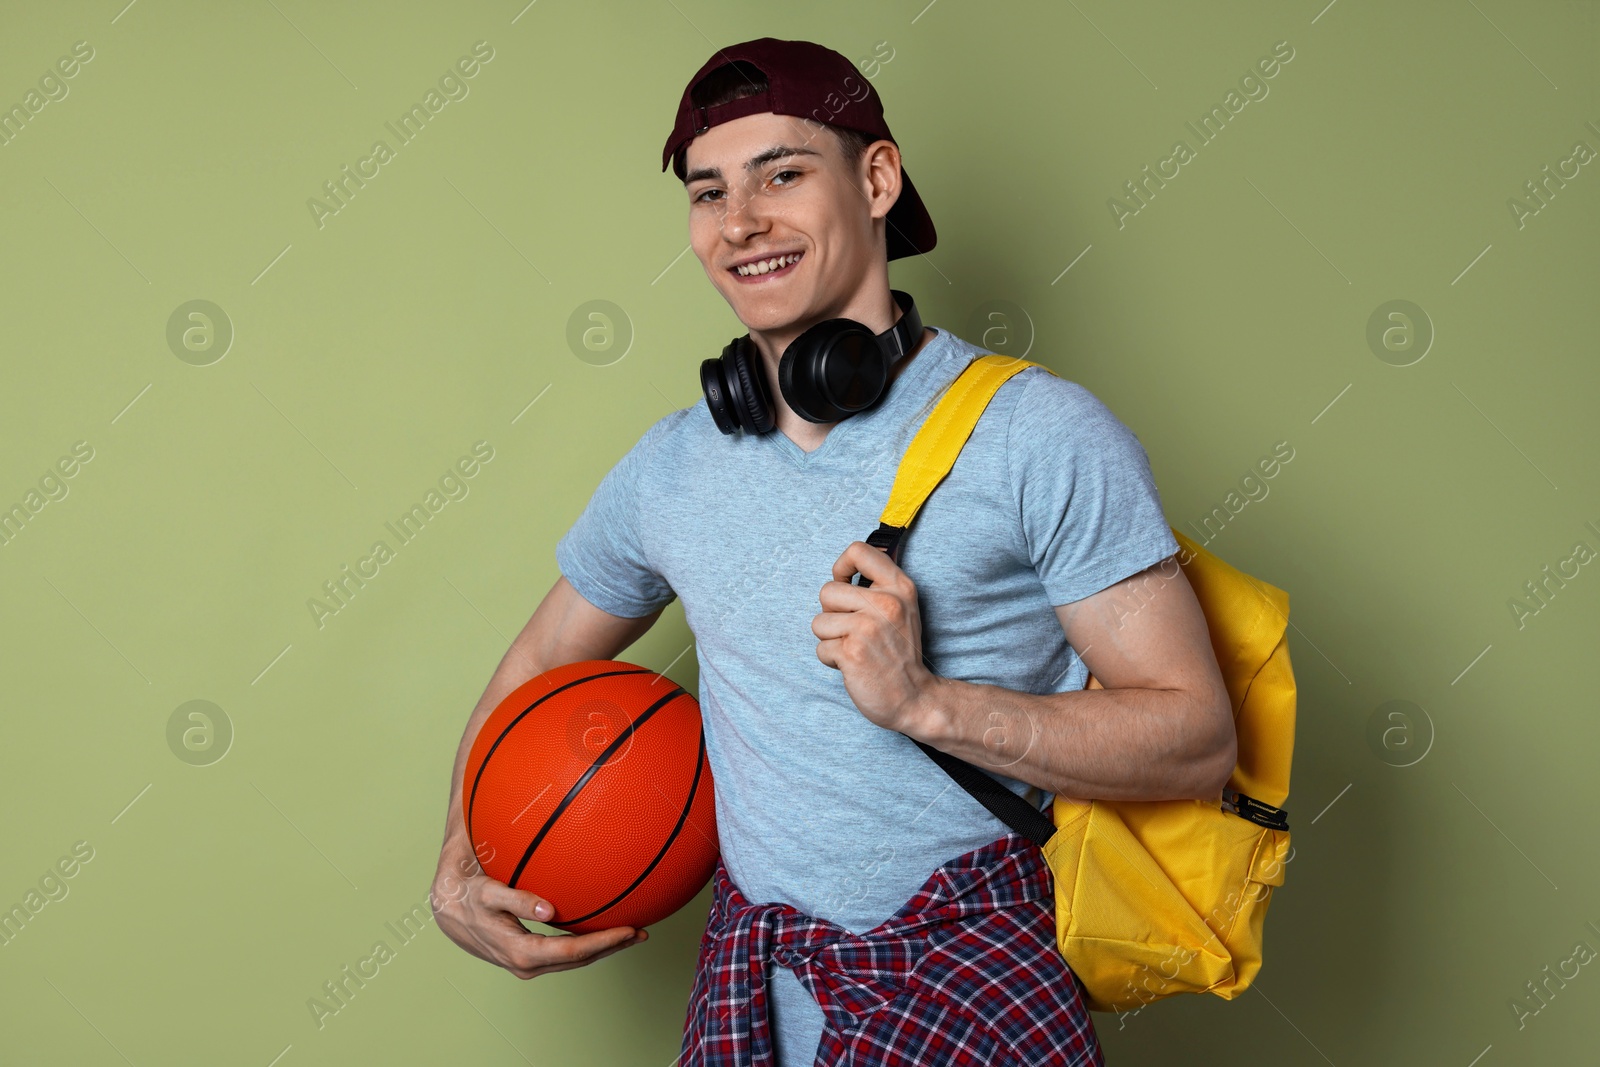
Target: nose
(741, 215)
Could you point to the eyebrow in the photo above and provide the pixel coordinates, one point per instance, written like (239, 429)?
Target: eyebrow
(775, 152)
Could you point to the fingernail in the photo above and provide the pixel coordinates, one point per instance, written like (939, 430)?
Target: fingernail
(543, 910)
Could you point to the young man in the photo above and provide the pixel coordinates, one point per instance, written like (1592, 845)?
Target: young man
(891, 918)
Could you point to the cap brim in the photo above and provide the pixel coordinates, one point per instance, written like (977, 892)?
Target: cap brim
(909, 230)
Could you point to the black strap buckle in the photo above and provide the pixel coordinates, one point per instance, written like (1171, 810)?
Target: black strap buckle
(887, 538)
(704, 118)
(1256, 811)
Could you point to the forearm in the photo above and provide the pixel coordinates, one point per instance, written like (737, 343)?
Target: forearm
(1107, 744)
(565, 628)
(516, 667)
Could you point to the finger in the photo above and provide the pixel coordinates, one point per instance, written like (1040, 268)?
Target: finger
(574, 949)
(852, 561)
(557, 952)
(828, 652)
(519, 902)
(894, 610)
(861, 558)
(841, 596)
(846, 596)
(636, 939)
(535, 972)
(833, 624)
(554, 967)
(844, 568)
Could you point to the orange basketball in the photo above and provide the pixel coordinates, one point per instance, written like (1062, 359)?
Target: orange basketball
(589, 786)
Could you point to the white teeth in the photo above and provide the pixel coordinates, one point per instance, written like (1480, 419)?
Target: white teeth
(768, 266)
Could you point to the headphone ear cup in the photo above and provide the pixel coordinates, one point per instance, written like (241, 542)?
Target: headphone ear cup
(714, 384)
(833, 370)
(751, 399)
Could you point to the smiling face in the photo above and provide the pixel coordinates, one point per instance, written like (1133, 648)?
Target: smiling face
(769, 195)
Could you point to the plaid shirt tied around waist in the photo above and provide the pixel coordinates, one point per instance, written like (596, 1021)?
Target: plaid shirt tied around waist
(967, 972)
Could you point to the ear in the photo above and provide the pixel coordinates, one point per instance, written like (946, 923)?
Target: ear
(881, 181)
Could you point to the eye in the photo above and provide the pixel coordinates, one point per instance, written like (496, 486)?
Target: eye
(700, 198)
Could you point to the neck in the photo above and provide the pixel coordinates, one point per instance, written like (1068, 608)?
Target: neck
(810, 435)
(871, 304)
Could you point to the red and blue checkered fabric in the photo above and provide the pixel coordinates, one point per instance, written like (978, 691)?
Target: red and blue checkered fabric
(967, 972)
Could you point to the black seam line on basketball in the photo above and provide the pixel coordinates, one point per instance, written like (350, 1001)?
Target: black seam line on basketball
(472, 798)
(683, 816)
(594, 768)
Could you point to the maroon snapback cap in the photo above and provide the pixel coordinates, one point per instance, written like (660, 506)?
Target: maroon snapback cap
(807, 81)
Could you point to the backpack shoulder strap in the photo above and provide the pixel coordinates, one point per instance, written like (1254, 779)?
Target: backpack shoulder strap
(930, 456)
(938, 442)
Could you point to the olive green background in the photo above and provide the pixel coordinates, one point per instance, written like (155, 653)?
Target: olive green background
(434, 311)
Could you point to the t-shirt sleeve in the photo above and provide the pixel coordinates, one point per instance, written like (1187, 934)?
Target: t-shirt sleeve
(1090, 512)
(603, 555)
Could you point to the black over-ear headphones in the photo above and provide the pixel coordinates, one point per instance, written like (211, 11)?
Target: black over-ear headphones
(831, 371)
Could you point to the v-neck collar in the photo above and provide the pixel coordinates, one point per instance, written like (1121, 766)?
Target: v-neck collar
(903, 385)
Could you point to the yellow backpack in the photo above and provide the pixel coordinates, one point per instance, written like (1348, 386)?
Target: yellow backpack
(1160, 897)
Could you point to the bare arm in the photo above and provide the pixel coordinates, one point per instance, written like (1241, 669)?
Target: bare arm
(1161, 728)
(473, 910)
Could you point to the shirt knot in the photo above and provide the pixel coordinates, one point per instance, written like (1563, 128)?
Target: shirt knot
(850, 975)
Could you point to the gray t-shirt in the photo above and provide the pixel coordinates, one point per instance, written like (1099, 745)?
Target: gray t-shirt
(1050, 501)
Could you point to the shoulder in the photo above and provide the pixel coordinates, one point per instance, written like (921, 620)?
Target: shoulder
(671, 433)
(1033, 394)
(1045, 395)
(669, 426)
(1057, 423)
(1050, 410)
(1036, 410)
